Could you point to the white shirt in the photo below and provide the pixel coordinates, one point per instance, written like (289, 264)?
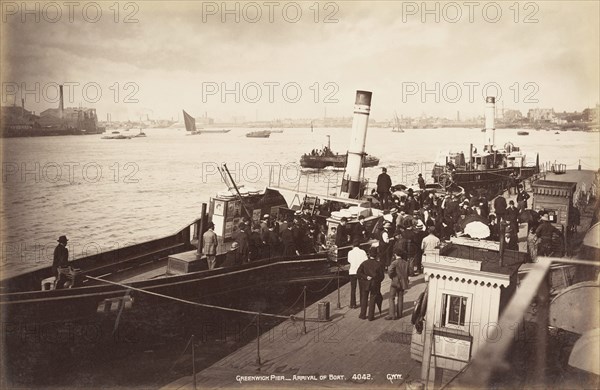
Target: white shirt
(356, 257)
(430, 243)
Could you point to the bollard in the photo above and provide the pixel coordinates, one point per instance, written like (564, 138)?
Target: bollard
(323, 313)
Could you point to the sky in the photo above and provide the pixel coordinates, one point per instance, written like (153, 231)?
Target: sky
(274, 60)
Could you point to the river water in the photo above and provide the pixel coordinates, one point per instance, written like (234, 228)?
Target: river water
(105, 194)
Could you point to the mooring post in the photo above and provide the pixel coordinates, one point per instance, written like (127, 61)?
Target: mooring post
(304, 319)
(258, 339)
(194, 360)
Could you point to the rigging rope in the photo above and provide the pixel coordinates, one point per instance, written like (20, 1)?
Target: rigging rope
(291, 317)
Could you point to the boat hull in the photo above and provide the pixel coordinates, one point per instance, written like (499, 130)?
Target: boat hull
(490, 182)
(39, 307)
(337, 161)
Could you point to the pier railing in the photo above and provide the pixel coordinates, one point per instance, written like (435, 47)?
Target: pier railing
(495, 361)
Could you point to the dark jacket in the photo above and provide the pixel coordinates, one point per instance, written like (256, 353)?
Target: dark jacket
(61, 258)
(289, 245)
(374, 269)
(384, 182)
(232, 258)
(243, 241)
(398, 272)
(341, 236)
(500, 205)
(360, 232)
(512, 215)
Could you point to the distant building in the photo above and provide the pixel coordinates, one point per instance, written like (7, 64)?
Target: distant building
(541, 115)
(512, 116)
(77, 118)
(14, 116)
(591, 114)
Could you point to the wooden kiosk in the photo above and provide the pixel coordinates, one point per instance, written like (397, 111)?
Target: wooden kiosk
(469, 284)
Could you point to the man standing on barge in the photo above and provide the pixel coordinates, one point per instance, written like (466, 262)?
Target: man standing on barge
(384, 183)
(209, 245)
(61, 260)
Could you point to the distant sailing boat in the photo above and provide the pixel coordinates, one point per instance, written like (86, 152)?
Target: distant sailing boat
(396, 126)
(190, 123)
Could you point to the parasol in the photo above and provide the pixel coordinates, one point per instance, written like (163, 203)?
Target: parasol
(477, 229)
(472, 218)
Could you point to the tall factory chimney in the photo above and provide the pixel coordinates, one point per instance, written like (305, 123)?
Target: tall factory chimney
(356, 152)
(490, 113)
(61, 107)
(22, 108)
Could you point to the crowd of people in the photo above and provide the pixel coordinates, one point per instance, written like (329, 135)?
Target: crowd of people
(271, 237)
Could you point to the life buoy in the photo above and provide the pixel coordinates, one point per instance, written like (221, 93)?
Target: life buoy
(445, 180)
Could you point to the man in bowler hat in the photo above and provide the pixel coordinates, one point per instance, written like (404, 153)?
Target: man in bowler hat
(61, 260)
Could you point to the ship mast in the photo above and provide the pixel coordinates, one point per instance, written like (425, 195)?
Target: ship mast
(356, 152)
(490, 112)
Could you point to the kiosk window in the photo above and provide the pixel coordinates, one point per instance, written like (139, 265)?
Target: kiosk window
(454, 310)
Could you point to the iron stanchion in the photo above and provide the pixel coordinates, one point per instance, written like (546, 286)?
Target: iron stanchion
(304, 319)
(258, 339)
(194, 360)
(339, 304)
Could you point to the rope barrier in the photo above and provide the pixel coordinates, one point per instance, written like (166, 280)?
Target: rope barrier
(205, 305)
(317, 291)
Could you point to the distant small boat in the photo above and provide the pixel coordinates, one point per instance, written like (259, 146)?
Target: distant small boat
(116, 135)
(522, 133)
(558, 132)
(140, 134)
(396, 128)
(483, 130)
(212, 131)
(259, 134)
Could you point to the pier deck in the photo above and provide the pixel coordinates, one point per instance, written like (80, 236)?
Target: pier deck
(343, 347)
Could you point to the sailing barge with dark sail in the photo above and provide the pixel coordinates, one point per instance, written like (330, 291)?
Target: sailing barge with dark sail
(490, 171)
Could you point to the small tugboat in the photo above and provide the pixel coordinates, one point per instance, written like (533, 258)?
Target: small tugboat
(488, 172)
(259, 134)
(319, 159)
(522, 133)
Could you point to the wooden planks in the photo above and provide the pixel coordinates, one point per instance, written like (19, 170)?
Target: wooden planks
(344, 346)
